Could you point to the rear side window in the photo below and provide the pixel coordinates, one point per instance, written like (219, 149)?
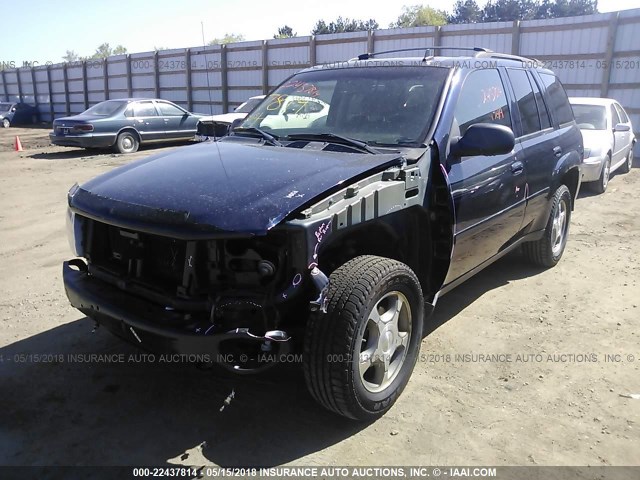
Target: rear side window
(144, 109)
(559, 103)
(545, 119)
(526, 101)
(482, 100)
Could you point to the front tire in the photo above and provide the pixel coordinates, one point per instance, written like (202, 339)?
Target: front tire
(547, 251)
(360, 353)
(6, 123)
(601, 185)
(127, 142)
(628, 165)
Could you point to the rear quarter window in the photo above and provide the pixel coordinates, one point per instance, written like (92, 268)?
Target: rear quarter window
(558, 101)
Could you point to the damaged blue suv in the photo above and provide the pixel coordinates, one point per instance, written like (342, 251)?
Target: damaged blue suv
(330, 226)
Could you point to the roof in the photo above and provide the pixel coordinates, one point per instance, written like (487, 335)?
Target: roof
(469, 62)
(592, 101)
(135, 99)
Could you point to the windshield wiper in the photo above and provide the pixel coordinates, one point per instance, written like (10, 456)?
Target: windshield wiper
(266, 136)
(333, 138)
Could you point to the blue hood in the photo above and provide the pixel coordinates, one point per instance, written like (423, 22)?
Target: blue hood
(219, 187)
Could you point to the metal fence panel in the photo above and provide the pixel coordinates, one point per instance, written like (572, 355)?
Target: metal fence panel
(594, 55)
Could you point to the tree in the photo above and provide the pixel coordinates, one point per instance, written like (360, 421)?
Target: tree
(509, 10)
(419, 15)
(105, 50)
(119, 50)
(71, 56)
(285, 32)
(466, 11)
(567, 8)
(228, 38)
(342, 25)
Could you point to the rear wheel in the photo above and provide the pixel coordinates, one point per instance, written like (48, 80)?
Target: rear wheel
(359, 355)
(127, 142)
(600, 186)
(628, 165)
(547, 251)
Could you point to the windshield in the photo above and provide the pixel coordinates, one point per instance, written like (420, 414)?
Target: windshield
(4, 107)
(106, 108)
(249, 105)
(590, 117)
(385, 106)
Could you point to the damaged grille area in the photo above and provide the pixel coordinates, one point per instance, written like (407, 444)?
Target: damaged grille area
(198, 273)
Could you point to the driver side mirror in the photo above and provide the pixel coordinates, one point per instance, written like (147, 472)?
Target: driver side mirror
(483, 139)
(621, 127)
(13, 109)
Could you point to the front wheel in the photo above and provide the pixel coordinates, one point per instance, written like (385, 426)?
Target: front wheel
(626, 168)
(6, 123)
(360, 353)
(547, 251)
(600, 186)
(127, 142)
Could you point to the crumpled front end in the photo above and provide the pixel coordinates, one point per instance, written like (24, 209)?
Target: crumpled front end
(236, 299)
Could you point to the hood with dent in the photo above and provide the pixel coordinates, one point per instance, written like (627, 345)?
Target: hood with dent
(219, 187)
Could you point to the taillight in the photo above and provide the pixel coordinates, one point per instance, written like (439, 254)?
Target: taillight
(83, 128)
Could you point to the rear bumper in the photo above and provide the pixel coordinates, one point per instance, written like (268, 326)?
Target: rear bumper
(158, 329)
(83, 141)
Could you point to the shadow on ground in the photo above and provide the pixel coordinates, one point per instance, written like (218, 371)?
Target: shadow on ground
(83, 411)
(101, 152)
(513, 266)
(137, 412)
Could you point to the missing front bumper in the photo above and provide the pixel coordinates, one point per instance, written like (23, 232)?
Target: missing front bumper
(154, 328)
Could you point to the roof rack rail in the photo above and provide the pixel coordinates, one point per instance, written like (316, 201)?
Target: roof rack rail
(506, 56)
(478, 50)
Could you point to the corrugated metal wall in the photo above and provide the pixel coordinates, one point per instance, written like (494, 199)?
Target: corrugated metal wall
(594, 55)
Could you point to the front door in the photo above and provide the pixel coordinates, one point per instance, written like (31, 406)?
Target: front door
(177, 122)
(488, 191)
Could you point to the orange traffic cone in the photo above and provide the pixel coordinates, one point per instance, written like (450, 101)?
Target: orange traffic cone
(18, 144)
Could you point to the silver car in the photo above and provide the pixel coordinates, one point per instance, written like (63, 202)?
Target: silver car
(608, 139)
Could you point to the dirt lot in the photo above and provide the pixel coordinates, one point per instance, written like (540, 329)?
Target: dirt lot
(549, 399)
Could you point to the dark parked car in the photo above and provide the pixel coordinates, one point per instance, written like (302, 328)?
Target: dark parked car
(335, 238)
(17, 114)
(125, 124)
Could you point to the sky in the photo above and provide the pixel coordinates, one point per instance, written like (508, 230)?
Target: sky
(47, 29)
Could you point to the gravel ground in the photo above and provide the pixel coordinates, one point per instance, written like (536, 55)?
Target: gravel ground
(515, 371)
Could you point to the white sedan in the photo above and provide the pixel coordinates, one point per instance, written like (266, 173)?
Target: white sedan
(608, 139)
(205, 126)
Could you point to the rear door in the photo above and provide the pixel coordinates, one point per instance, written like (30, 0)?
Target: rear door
(534, 133)
(146, 120)
(625, 137)
(488, 191)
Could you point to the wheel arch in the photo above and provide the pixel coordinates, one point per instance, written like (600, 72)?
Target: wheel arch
(420, 237)
(571, 178)
(128, 129)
